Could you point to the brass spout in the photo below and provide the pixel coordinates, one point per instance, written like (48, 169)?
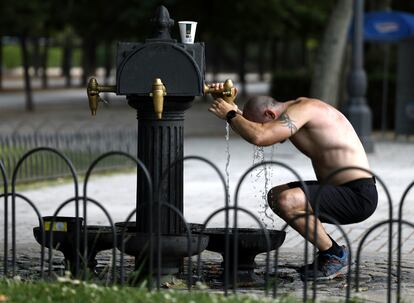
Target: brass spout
(93, 91)
(158, 93)
(227, 93)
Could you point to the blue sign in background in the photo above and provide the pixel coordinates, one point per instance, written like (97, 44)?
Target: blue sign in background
(391, 26)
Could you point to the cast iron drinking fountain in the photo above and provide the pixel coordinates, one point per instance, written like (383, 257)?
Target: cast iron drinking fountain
(160, 79)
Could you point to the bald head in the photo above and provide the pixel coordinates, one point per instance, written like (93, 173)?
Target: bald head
(262, 109)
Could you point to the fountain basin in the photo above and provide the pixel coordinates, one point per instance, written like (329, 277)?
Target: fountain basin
(251, 242)
(64, 230)
(173, 247)
(99, 238)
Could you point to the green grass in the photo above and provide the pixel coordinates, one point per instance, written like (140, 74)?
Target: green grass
(12, 56)
(48, 182)
(76, 291)
(55, 57)
(46, 166)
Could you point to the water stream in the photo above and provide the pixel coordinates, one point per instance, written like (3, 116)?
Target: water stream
(261, 191)
(227, 168)
(262, 172)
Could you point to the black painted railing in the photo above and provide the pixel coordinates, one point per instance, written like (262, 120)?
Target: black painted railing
(117, 263)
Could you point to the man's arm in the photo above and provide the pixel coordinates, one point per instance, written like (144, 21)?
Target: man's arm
(264, 134)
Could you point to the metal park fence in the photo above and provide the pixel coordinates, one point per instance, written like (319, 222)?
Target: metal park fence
(154, 242)
(80, 145)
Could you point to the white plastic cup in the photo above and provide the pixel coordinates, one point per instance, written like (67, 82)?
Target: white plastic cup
(187, 31)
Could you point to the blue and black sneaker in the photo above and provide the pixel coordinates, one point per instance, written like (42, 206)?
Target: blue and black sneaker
(327, 266)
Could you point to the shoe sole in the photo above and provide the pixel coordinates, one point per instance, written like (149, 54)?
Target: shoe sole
(343, 270)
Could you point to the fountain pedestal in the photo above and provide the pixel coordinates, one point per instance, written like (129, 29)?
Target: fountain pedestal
(160, 145)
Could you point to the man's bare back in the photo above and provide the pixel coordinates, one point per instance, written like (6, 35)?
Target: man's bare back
(328, 139)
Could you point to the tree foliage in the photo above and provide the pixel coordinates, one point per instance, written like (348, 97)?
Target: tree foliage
(229, 26)
(219, 21)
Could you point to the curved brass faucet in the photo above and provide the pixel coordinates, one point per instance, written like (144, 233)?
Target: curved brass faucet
(93, 91)
(227, 93)
(158, 93)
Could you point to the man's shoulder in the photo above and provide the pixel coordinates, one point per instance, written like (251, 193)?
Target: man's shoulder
(311, 104)
(307, 100)
(301, 103)
(300, 110)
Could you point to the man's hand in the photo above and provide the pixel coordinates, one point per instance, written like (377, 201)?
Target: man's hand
(220, 108)
(216, 87)
(216, 91)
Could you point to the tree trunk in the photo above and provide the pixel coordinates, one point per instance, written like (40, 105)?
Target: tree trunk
(214, 61)
(304, 49)
(85, 63)
(285, 47)
(1, 63)
(329, 62)
(381, 5)
(274, 55)
(44, 62)
(27, 84)
(242, 66)
(67, 61)
(261, 59)
(108, 61)
(88, 60)
(36, 55)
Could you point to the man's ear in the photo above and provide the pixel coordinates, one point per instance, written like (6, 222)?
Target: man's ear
(270, 114)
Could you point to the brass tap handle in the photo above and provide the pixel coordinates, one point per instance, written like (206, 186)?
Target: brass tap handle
(228, 93)
(157, 94)
(93, 91)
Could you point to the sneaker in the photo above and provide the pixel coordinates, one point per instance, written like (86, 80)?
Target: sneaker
(328, 266)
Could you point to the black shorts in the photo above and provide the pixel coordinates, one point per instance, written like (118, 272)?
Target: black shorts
(348, 203)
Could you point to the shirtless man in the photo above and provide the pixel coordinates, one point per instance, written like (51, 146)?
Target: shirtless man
(324, 135)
